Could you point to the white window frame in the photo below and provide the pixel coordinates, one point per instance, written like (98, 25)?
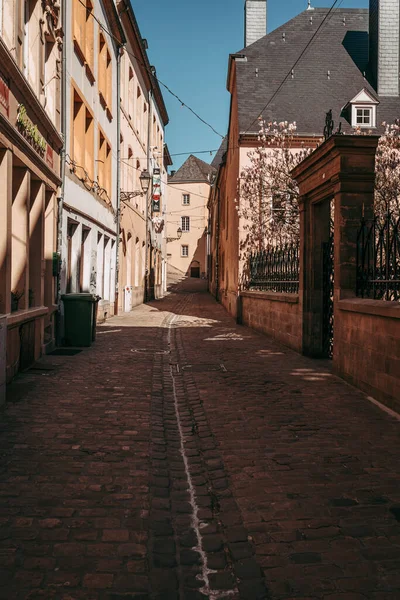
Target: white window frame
(184, 197)
(364, 107)
(185, 251)
(184, 221)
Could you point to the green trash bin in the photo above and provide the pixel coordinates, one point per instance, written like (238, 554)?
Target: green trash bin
(78, 319)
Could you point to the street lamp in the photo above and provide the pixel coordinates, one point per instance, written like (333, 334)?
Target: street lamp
(145, 179)
(179, 235)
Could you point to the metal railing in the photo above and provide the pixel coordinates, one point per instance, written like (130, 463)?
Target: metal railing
(275, 269)
(378, 259)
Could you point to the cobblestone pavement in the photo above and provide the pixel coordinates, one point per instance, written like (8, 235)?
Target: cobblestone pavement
(186, 457)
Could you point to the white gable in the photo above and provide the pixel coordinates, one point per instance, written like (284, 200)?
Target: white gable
(364, 97)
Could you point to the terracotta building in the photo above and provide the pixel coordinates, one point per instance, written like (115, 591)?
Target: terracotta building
(90, 195)
(31, 40)
(187, 222)
(142, 140)
(345, 70)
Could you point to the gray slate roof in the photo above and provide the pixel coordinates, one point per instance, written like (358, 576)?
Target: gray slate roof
(341, 47)
(193, 169)
(217, 160)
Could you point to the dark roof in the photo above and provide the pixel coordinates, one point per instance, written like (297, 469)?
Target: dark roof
(340, 48)
(193, 169)
(217, 160)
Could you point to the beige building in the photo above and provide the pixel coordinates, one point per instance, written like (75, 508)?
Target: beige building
(142, 121)
(30, 146)
(90, 199)
(187, 221)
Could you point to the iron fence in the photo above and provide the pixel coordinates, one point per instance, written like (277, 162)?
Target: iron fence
(378, 259)
(275, 269)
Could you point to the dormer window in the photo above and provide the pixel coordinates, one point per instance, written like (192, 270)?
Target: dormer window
(364, 117)
(361, 110)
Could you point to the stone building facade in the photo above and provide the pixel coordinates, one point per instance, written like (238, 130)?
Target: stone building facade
(90, 195)
(142, 143)
(31, 39)
(189, 189)
(337, 74)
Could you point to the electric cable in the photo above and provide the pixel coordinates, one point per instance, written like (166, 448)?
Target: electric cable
(150, 72)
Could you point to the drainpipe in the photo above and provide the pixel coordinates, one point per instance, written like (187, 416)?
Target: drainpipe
(116, 301)
(60, 199)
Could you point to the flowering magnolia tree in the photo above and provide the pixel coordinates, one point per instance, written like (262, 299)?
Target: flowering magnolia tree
(267, 194)
(387, 172)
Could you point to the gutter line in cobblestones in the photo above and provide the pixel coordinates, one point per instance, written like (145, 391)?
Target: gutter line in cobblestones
(195, 521)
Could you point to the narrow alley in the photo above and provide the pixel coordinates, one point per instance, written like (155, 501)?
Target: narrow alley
(186, 457)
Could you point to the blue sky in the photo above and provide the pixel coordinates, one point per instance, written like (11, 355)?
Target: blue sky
(189, 43)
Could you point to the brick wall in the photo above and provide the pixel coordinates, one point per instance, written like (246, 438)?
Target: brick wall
(277, 315)
(255, 22)
(367, 347)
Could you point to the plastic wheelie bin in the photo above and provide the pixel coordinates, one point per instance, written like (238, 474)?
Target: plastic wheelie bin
(78, 319)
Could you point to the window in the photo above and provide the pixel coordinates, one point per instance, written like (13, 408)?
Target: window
(185, 223)
(131, 92)
(104, 165)
(82, 144)
(130, 170)
(83, 34)
(364, 116)
(186, 199)
(185, 251)
(84, 261)
(105, 75)
(71, 280)
(138, 124)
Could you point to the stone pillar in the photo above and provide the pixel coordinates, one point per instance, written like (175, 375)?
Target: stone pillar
(342, 169)
(20, 234)
(5, 230)
(36, 244)
(50, 233)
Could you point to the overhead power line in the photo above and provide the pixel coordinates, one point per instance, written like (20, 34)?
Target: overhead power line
(294, 65)
(183, 104)
(168, 184)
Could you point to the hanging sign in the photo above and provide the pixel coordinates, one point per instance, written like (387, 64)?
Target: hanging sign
(156, 200)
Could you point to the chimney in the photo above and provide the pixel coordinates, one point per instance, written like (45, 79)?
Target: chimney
(384, 45)
(255, 20)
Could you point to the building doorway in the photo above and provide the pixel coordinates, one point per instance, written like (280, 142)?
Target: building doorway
(195, 269)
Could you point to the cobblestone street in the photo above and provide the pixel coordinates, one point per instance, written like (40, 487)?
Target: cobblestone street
(186, 457)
